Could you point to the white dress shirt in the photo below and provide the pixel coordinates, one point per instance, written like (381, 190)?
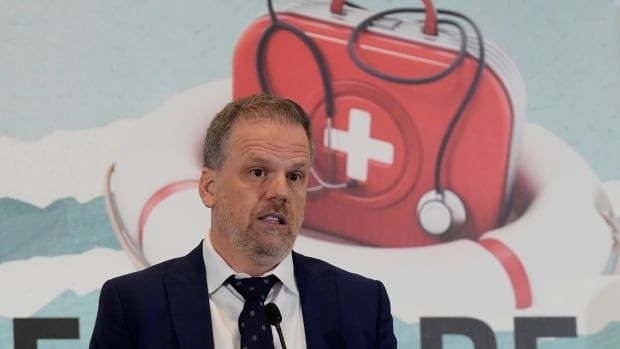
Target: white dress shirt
(226, 303)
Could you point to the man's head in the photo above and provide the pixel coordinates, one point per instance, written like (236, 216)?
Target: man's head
(257, 157)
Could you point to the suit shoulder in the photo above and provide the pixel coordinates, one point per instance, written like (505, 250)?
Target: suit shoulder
(342, 275)
(146, 276)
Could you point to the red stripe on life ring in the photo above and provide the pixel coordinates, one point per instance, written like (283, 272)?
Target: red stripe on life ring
(159, 196)
(515, 270)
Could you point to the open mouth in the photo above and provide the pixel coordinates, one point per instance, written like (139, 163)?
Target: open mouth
(273, 218)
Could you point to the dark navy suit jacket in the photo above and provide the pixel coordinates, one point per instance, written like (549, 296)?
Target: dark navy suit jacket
(167, 306)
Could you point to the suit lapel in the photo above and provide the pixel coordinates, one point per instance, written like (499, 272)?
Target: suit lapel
(319, 303)
(188, 298)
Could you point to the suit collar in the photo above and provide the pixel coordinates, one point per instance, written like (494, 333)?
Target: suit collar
(188, 298)
(319, 302)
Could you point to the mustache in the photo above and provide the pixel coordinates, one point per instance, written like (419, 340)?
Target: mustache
(272, 206)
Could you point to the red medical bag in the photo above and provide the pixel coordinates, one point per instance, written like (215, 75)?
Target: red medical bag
(386, 135)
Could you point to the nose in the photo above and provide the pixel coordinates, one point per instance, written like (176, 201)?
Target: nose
(277, 188)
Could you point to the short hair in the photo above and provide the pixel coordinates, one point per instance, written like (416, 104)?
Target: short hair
(254, 107)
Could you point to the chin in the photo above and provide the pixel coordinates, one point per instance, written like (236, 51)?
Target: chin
(266, 258)
(272, 252)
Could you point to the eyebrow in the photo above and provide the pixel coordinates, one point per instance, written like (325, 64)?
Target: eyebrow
(259, 159)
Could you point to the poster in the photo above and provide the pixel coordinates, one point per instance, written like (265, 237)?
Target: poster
(89, 84)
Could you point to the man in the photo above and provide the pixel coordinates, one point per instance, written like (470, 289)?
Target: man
(257, 158)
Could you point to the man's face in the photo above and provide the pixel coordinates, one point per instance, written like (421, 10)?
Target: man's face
(259, 192)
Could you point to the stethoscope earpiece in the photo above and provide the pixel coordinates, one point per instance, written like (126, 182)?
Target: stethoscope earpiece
(441, 214)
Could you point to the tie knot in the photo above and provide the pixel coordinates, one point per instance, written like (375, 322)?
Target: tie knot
(253, 288)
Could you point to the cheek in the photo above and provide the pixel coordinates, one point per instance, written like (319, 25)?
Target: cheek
(237, 200)
(299, 199)
(245, 201)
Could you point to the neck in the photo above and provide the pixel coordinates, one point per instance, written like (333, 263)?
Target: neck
(239, 261)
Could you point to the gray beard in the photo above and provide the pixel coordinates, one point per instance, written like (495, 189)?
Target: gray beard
(247, 241)
(261, 254)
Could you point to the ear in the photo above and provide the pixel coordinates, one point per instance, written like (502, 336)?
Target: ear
(206, 187)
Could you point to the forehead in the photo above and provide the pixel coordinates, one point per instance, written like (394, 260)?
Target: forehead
(252, 137)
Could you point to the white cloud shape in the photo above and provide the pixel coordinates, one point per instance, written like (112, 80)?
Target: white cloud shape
(63, 164)
(28, 285)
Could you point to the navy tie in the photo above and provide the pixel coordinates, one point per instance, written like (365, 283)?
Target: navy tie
(253, 326)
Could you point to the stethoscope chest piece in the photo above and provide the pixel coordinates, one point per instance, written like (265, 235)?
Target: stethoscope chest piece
(441, 214)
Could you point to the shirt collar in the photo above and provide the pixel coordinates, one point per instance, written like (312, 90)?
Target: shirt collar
(218, 270)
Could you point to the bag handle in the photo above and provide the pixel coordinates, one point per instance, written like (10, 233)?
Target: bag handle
(430, 20)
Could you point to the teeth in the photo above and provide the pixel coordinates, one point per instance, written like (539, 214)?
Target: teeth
(272, 219)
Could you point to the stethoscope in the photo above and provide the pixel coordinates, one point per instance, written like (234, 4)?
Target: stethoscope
(441, 213)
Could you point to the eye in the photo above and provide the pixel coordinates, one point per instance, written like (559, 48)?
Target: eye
(295, 177)
(257, 172)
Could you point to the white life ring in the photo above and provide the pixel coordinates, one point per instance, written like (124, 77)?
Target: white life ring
(558, 236)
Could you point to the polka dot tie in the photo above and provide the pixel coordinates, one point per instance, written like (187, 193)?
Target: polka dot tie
(253, 326)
